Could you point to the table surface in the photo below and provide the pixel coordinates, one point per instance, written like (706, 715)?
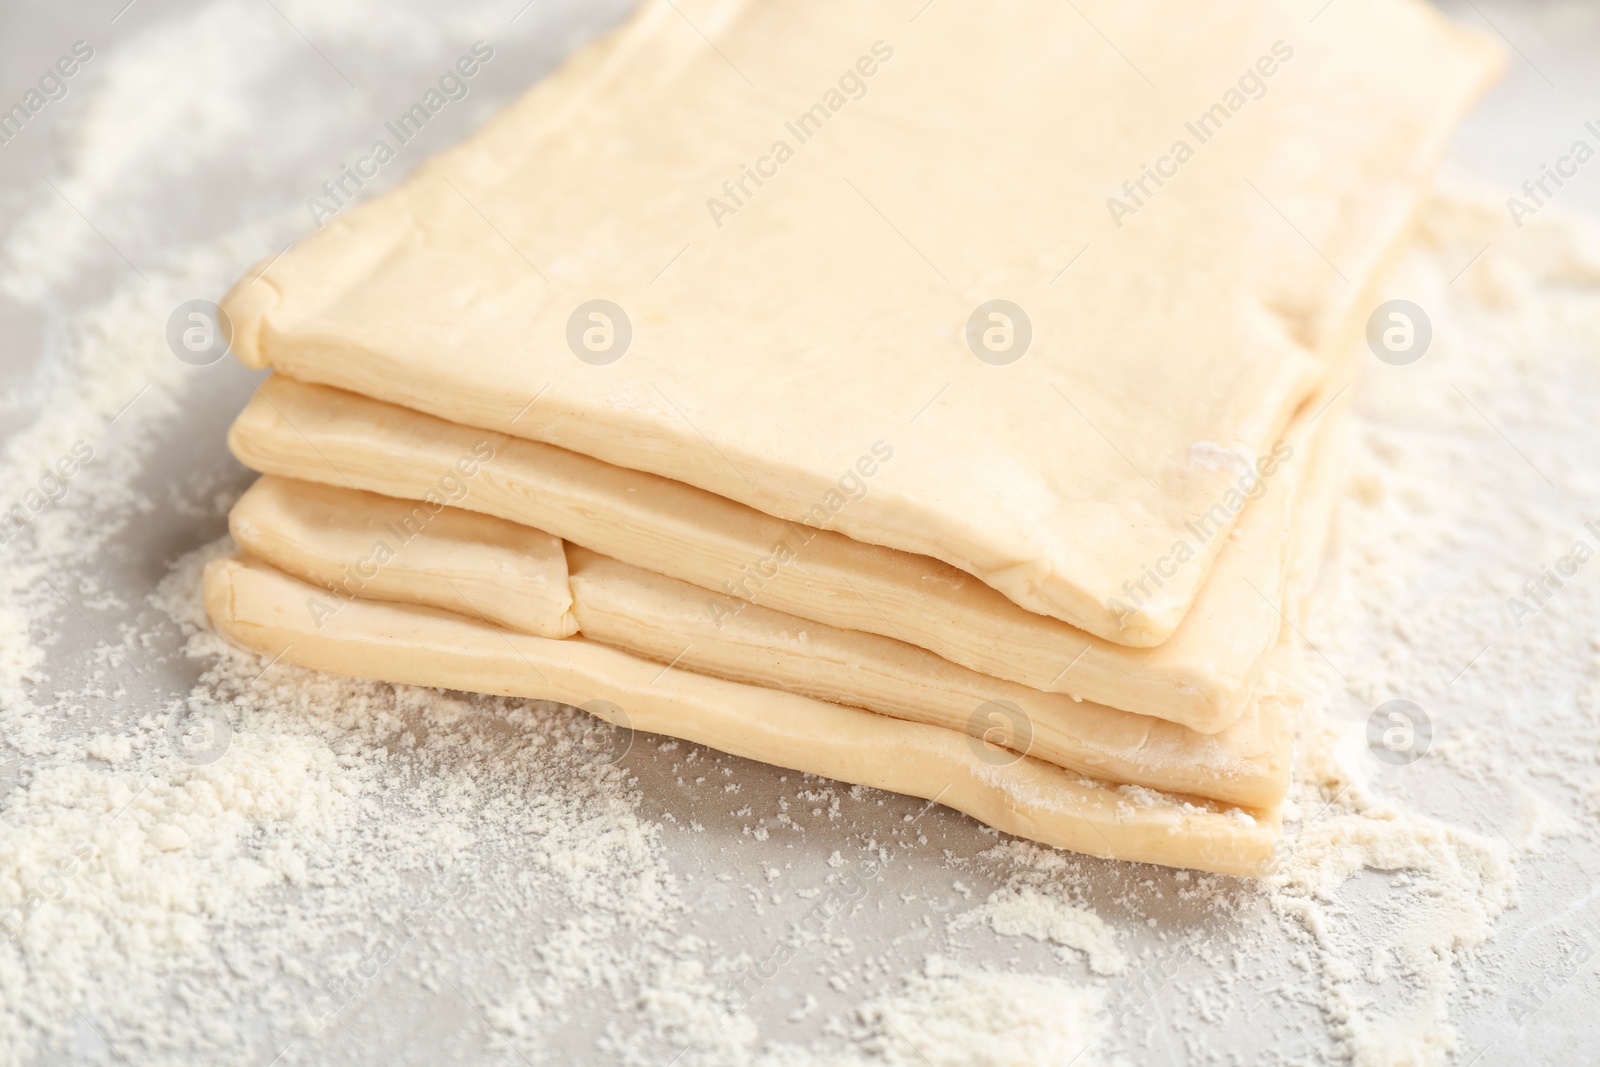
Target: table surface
(315, 85)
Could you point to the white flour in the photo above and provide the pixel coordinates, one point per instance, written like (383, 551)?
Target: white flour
(368, 872)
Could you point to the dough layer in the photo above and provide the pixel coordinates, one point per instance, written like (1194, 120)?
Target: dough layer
(423, 552)
(776, 346)
(1202, 678)
(263, 609)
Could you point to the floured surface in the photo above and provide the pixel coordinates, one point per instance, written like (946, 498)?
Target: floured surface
(614, 911)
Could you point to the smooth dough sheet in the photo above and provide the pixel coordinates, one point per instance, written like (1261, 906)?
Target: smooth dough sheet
(309, 531)
(799, 216)
(264, 610)
(1202, 678)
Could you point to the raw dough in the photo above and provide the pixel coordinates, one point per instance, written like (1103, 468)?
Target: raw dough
(386, 549)
(774, 347)
(1202, 677)
(665, 620)
(264, 610)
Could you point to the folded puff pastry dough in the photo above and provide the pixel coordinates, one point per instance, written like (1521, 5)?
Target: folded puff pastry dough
(775, 344)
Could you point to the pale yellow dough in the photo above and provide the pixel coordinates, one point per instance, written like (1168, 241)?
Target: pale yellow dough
(309, 529)
(1202, 678)
(386, 549)
(264, 610)
(775, 345)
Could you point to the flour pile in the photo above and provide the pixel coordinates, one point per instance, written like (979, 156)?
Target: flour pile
(206, 857)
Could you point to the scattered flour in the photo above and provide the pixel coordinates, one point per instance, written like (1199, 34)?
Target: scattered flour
(956, 1015)
(1026, 911)
(1443, 513)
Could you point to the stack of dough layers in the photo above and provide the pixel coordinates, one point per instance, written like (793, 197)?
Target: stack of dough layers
(794, 503)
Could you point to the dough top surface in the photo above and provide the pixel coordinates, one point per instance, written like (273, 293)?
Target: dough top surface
(799, 339)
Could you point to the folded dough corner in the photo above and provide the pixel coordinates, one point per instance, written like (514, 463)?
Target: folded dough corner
(951, 406)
